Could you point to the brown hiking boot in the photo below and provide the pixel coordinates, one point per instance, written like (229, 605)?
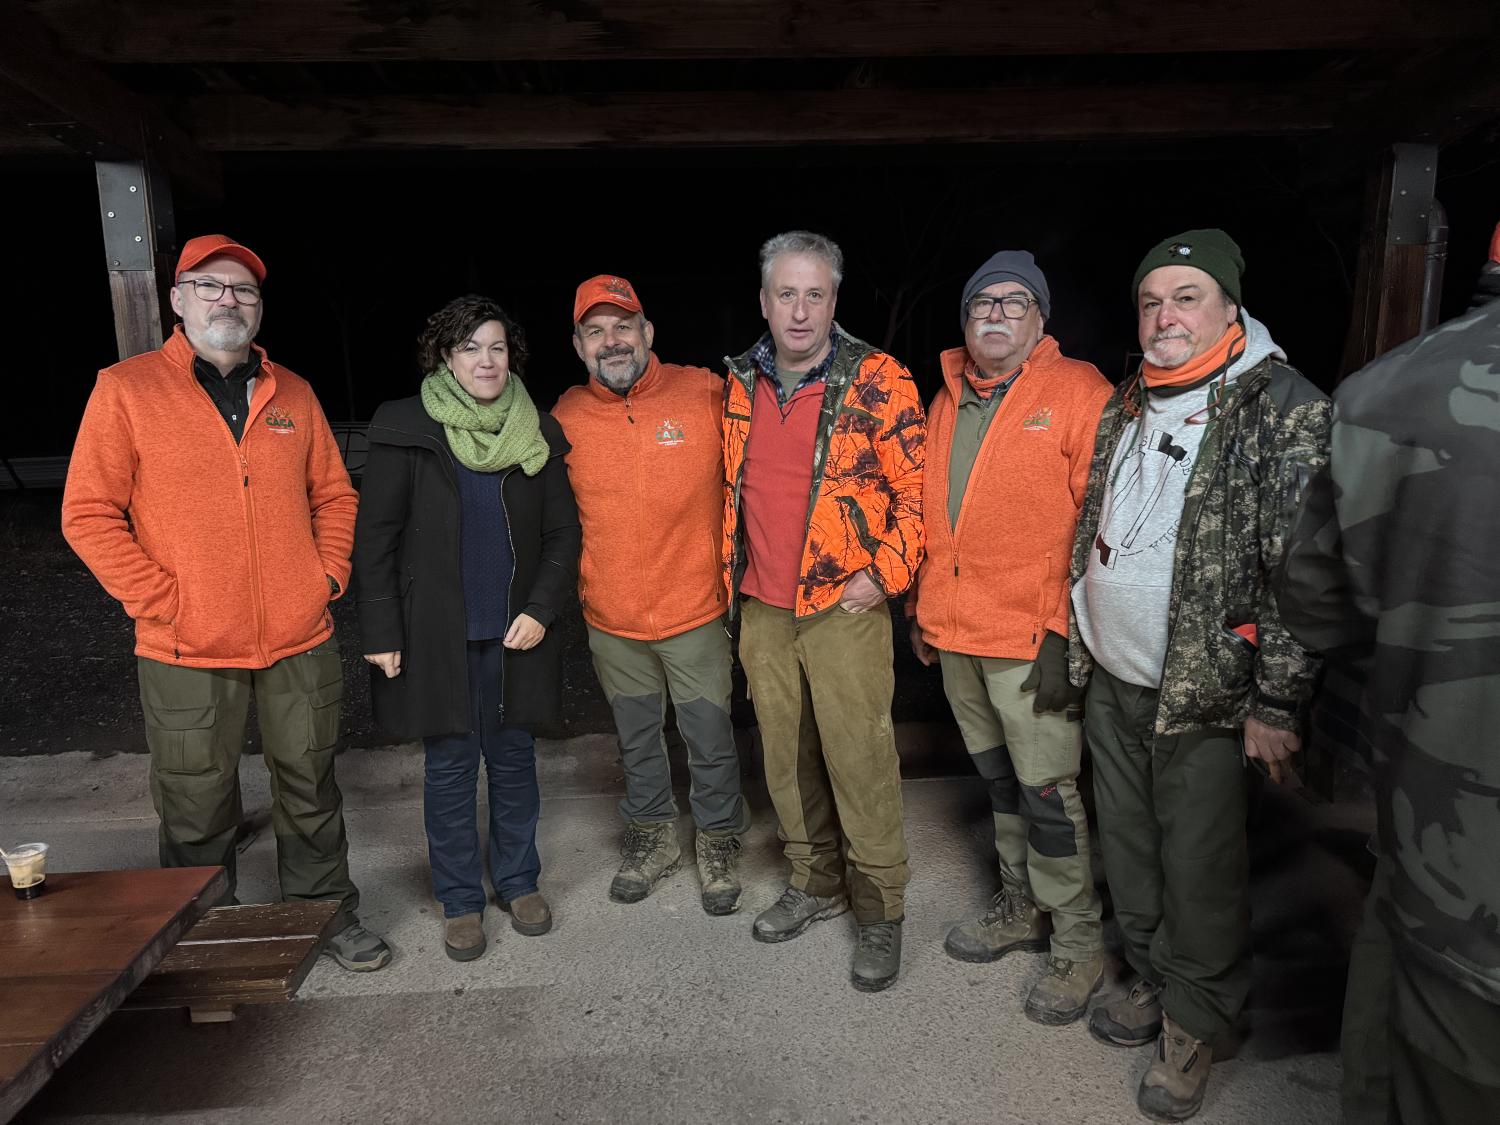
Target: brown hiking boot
(463, 937)
(718, 856)
(1062, 995)
(649, 851)
(529, 914)
(1172, 1089)
(1129, 1021)
(1012, 922)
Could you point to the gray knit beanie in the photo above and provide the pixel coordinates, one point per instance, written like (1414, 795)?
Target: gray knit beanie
(1008, 265)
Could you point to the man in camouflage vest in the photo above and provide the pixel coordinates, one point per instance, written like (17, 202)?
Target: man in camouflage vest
(1394, 567)
(1198, 466)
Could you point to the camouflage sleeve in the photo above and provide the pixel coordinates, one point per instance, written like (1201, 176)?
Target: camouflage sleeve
(1285, 671)
(902, 450)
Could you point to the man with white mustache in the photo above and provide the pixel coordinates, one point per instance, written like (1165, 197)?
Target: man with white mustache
(1199, 466)
(208, 495)
(1010, 438)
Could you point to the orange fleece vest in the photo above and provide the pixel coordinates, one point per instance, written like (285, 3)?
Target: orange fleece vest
(992, 585)
(219, 551)
(648, 472)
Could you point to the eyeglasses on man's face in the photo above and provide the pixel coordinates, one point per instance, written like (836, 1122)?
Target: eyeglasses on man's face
(210, 290)
(1013, 306)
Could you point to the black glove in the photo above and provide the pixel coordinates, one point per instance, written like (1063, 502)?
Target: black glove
(1049, 677)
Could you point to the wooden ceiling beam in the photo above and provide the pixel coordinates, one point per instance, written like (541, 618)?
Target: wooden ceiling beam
(75, 103)
(749, 118)
(148, 31)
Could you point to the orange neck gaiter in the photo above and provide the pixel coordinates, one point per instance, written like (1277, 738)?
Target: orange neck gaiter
(1222, 354)
(985, 385)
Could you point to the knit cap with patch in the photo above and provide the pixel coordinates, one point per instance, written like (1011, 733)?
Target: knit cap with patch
(1211, 251)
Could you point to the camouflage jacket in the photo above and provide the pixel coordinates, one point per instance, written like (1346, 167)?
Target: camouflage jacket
(1270, 436)
(1395, 564)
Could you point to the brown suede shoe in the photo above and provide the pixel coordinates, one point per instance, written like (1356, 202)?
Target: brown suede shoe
(463, 937)
(529, 914)
(1062, 995)
(1129, 1021)
(1172, 1088)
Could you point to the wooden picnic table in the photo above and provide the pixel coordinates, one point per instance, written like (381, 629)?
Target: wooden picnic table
(70, 957)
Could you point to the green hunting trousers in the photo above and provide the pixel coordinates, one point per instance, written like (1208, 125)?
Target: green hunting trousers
(694, 669)
(195, 726)
(1031, 764)
(1172, 830)
(822, 691)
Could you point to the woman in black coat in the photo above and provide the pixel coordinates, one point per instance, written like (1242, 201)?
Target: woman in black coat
(465, 550)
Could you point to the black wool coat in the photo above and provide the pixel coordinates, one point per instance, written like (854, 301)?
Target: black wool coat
(408, 582)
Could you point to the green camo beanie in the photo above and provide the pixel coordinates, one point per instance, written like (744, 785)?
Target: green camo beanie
(1211, 251)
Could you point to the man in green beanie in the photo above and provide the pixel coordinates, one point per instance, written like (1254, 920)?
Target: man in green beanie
(1198, 469)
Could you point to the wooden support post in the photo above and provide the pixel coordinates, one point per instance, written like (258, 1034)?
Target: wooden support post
(135, 206)
(1392, 301)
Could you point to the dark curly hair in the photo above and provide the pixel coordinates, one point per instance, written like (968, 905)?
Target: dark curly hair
(459, 319)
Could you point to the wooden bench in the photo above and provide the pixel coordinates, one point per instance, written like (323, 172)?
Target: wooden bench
(238, 955)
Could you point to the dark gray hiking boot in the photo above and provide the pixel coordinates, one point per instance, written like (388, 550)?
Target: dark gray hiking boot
(648, 852)
(719, 870)
(1012, 922)
(1132, 1020)
(877, 957)
(793, 912)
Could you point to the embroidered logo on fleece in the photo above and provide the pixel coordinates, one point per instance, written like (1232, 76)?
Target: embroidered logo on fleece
(1038, 419)
(280, 421)
(670, 433)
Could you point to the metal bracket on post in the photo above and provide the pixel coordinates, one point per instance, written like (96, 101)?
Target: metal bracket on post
(1413, 182)
(135, 208)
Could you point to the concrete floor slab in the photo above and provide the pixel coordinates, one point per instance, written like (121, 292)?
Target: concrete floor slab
(657, 1012)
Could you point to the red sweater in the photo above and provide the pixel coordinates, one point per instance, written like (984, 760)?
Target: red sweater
(775, 491)
(219, 551)
(647, 470)
(992, 585)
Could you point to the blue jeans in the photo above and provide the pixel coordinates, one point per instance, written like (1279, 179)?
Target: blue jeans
(448, 807)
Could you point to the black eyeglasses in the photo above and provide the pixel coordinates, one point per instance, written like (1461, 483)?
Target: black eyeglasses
(210, 290)
(1012, 307)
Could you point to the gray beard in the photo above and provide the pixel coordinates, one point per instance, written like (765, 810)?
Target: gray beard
(225, 335)
(624, 380)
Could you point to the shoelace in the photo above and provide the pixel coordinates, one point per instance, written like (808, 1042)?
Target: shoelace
(1178, 1044)
(638, 844)
(791, 899)
(1059, 968)
(878, 938)
(1142, 993)
(720, 855)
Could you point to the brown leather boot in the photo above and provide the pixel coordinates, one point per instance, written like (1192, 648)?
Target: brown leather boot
(529, 914)
(463, 937)
(1172, 1088)
(1132, 1020)
(1062, 995)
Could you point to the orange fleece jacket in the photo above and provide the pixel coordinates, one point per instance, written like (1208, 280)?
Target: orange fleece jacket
(218, 551)
(995, 583)
(648, 472)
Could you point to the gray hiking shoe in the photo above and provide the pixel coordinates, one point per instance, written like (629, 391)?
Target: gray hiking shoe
(1012, 922)
(877, 957)
(357, 949)
(719, 869)
(1132, 1020)
(648, 852)
(793, 912)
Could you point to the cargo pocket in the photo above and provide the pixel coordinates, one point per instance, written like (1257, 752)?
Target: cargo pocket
(324, 705)
(181, 738)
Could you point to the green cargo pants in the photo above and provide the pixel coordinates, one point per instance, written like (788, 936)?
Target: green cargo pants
(1172, 830)
(822, 691)
(1417, 1048)
(694, 668)
(195, 726)
(1031, 763)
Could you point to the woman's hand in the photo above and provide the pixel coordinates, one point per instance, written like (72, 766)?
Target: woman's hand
(524, 632)
(387, 662)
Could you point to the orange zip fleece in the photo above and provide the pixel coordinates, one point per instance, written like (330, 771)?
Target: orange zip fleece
(648, 472)
(218, 551)
(995, 583)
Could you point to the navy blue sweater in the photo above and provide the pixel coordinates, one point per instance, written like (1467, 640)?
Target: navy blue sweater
(485, 553)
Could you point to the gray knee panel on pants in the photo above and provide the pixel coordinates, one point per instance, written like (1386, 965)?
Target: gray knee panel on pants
(1050, 830)
(996, 767)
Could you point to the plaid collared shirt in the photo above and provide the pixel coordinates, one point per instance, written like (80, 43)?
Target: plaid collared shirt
(763, 355)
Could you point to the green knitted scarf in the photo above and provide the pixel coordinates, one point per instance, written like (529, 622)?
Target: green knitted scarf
(487, 436)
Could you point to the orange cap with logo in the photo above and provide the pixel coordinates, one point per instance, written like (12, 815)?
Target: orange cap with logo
(606, 289)
(196, 251)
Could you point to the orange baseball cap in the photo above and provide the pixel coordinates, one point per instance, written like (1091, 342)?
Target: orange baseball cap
(196, 251)
(606, 289)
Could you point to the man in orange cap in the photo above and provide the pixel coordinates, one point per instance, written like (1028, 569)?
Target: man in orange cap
(227, 555)
(648, 473)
